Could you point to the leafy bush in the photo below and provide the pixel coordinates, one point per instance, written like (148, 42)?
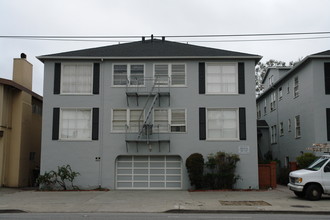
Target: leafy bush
(52, 179)
(305, 160)
(222, 167)
(195, 167)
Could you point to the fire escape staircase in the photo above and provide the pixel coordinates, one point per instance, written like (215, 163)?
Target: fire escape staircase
(153, 90)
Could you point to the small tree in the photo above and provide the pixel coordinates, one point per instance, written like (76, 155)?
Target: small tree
(195, 167)
(305, 160)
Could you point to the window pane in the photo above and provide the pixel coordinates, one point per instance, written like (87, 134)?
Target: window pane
(119, 74)
(161, 74)
(222, 124)
(77, 78)
(134, 120)
(161, 119)
(137, 75)
(178, 76)
(119, 120)
(178, 120)
(76, 124)
(221, 78)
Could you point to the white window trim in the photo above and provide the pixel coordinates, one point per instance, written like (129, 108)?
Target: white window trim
(128, 119)
(169, 119)
(75, 93)
(74, 139)
(169, 73)
(128, 74)
(223, 139)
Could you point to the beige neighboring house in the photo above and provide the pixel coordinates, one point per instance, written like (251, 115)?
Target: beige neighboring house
(20, 127)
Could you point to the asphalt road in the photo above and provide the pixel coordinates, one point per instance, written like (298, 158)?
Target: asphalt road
(158, 216)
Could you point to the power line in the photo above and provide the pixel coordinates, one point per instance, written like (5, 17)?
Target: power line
(168, 36)
(129, 38)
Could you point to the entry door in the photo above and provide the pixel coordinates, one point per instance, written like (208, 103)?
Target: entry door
(149, 172)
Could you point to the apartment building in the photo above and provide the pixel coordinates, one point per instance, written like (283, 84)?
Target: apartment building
(20, 127)
(296, 107)
(127, 116)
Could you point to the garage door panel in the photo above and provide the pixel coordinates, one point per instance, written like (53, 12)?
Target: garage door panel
(157, 185)
(157, 178)
(149, 172)
(141, 164)
(124, 178)
(124, 171)
(173, 171)
(124, 184)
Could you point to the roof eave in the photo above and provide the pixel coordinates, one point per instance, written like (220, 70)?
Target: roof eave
(43, 58)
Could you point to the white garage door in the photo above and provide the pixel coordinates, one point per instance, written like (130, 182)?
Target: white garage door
(148, 172)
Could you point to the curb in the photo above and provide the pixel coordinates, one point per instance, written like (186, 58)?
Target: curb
(182, 211)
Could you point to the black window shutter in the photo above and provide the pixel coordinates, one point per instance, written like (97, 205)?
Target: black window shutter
(328, 123)
(202, 124)
(95, 124)
(56, 123)
(327, 78)
(96, 78)
(241, 78)
(242, 124)
(201, 72)
(57, 78)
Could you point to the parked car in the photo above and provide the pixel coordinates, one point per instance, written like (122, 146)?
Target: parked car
(312, 182)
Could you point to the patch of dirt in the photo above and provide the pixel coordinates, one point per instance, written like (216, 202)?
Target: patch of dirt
(244, 203)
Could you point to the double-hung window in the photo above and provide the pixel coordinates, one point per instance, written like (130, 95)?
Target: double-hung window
(296, 87)
(170, 74)
(221, 78)
(273, 101)
(297, 127)
(77, 78)
(222, 124)
(127, 120)
(76, 124)
(170, 120)
(128, 74)
(273, 134)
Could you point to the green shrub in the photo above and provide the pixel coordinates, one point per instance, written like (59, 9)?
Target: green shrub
(222, 166)
(52, 179)
(305, 160)
(195, 168)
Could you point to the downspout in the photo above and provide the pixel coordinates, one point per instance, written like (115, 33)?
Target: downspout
(101, 119)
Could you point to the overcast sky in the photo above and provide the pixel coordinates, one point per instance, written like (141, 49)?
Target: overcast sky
(160, 17)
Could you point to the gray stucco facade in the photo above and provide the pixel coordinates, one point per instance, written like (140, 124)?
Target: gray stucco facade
(309, 102)
(96, 160)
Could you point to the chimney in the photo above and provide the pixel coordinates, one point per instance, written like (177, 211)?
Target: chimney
(143, 39)
(22, 72)
(152, 38)
(163, 39)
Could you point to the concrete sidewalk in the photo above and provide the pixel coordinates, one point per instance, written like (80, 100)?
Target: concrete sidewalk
(278, 200)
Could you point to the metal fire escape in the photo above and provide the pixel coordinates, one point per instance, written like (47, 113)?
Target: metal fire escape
(148, 93)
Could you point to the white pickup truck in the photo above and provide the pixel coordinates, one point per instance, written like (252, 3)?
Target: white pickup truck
(312, 182)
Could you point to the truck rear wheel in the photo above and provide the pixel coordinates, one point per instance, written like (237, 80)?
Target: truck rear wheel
(313, 192)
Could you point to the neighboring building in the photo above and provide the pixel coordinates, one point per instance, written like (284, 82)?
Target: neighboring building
(127, 116)
(296, 108)
(20, 127)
